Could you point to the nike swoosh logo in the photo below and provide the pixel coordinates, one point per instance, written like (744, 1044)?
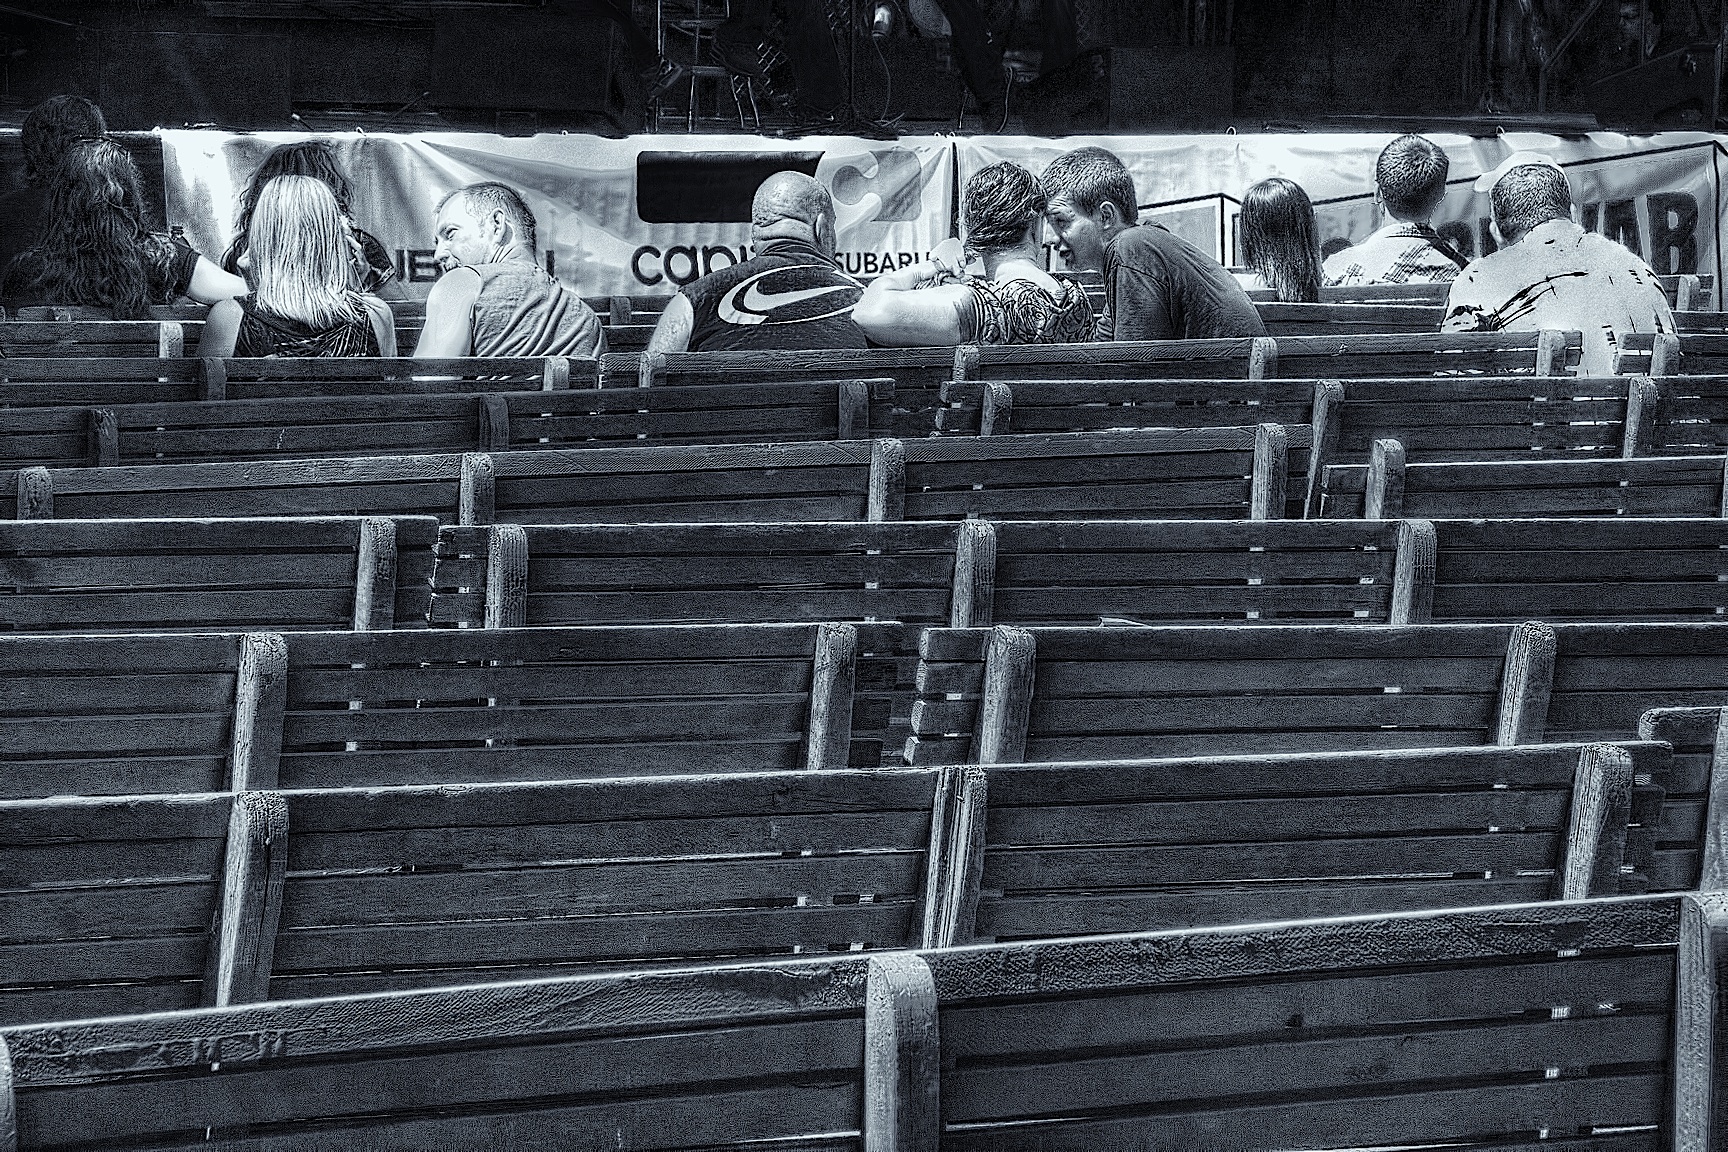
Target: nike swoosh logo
(746, 303)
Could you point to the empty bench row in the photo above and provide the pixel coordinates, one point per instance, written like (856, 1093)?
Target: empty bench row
(1588, 1024)
(303, 574)
(138, 904)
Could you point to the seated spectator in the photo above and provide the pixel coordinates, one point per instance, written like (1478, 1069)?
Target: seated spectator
(95, 250)
(52, 127)
(1279, 240)
(494, 299)
(1550, 273)
(1409, 184)
(1157, 286)
(317, 159)
(306, 301)
(1015, 302)
(791, 294)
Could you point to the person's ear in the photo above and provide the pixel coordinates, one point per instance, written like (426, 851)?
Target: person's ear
(1108, 214)
(1494, 231)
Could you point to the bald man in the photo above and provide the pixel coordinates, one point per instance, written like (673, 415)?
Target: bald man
(790, 294)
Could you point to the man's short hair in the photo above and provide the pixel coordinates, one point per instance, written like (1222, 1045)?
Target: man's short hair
(483, 199)
(1528, 195)
(1090, 176)
(1411, 174)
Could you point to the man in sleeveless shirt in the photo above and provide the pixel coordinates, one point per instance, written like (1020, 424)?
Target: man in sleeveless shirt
(790, 294)
(494, 299)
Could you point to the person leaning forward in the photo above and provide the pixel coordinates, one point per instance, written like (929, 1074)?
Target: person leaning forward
(494, 299)
(790, 294)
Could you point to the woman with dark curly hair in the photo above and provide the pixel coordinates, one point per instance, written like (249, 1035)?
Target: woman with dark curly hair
(95, 249)
(317, 159)
(52, 127)
(1015, 302)
(1280, 241)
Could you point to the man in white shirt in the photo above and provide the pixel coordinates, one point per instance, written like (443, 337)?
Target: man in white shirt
(1551, 274)
(1409, 184)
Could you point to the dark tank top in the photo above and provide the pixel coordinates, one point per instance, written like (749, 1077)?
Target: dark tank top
(267, 334)
(788, 296)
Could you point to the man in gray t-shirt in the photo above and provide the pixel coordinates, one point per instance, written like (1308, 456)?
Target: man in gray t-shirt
(494, 299)
(1157, 286)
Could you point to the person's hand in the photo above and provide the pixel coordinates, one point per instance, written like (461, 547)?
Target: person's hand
(949, 257)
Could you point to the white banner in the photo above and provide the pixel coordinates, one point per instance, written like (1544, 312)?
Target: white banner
(1657, 194)
(616, 217)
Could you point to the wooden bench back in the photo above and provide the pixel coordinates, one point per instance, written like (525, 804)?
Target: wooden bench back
(294, 895)
(1684, 291)
(212, 575)
(1052, 694)
(118, 714)
(1691, 849)
(138, 338)
(306, 427)
(1333, 318)
(1470, 1027)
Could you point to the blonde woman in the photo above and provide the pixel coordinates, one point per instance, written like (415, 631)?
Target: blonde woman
(305, 301)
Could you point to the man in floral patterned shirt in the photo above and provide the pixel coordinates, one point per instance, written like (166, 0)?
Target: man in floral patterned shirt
(1410, 182)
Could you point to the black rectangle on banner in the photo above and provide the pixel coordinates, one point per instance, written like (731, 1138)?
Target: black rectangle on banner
(708, 187)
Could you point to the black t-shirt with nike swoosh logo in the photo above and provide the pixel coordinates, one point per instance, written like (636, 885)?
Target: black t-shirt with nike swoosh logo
(787, 296)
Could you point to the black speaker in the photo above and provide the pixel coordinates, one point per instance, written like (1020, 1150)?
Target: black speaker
(1134, 89)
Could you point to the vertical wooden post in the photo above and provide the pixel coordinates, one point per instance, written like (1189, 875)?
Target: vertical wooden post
(1713, 870)
(1525, 685)
(8, 1102)
(506, 577)
(1595, 844)
(1642, 400)
(618, 311)
(1685, 293)
(476, 502)
(556, 374)
(1263, 358)
(852, 420)
(1665, 355)
(1005, 712)
(997, 411)
(887, 495)
(972, 603)
(954, 864)
(1413, 573)
(1267, 489)
(967, 361)
(212, 378)
(902, 1056)
(493, 434)
(170, 341)
(828, 739)
(35, 494)
(1383, 499)
(649, 367)
(375, 576)
(1700, 1030)
(1327, 419)
(260, 703)
(249, 903)
(1551, 352)
(102, 438)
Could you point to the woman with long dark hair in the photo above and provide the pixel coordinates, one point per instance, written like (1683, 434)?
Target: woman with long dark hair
(306, 299)
(1015, 302)
(317, 159)
(96, 250)
(1280, 241)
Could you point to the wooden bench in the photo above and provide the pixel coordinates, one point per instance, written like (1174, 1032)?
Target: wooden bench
(1389, 486)
(110, 715)
(1683, 291)
(177, 901)
(382, 424)
(136, 338)
(1690, 848)
(1463, 1027)
(1589, 1025)
(1282, 319)
(1042, 694)
(213, 575)
(106, 381)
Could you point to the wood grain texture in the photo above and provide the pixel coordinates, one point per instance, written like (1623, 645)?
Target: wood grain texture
(973, 602)
(1526, 685)
(1271, 472)
(35, 498)
(102, 441)
(1700, 1027)
(902, 1056)
(1643, 401)
(887, 483)
(955, 862)
(260, 702)
(1384, 496)
(1004, 713)
(996, 417)
(1413, 573)
(506, 577)
(853, 416)
(1596, 828)
(828, 743)
(1263, 358)
(375, 576)
(249, 904)
(477, 498)
(493, 416)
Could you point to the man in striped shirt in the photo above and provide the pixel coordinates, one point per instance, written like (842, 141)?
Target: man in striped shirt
(1410, 182)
